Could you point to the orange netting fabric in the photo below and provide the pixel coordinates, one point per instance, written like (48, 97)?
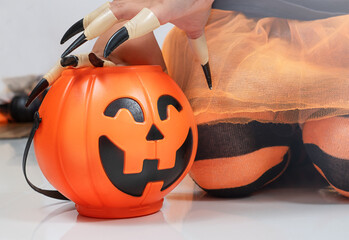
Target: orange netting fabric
(269, 69)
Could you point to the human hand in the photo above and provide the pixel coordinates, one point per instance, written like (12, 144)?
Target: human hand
(145, 16)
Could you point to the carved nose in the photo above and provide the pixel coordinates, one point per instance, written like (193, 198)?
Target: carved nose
(154, 134)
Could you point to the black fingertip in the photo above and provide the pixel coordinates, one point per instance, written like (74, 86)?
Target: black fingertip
(207, 73)
(39, 88)
(70, 61)
(73, 30)
(116, 40)
(95, 61)
(77, 43)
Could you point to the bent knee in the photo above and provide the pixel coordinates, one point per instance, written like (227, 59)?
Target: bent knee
(237, 159)
(241, 175)
(326, 142)
(330, 135)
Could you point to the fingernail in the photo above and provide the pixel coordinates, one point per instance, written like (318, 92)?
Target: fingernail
(77, 43)
(73, 30)
(95, 61)
(116, 40)
(39, 88)
(207, 72)
(70, 61)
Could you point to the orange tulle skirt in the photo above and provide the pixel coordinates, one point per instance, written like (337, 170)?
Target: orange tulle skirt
(269, 69)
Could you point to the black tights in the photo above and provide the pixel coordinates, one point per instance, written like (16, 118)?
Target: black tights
(235, 160)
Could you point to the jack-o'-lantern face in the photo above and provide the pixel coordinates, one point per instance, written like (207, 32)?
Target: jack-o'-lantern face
(115, 139)
(114, 155)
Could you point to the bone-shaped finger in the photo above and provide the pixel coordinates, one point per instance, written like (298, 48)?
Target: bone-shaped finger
(144, 22)
(76, 61)
(199, 47)
(83, 23)
(100, 24)
(44, 83)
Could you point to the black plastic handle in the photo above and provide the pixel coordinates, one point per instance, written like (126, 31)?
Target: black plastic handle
(49, 193)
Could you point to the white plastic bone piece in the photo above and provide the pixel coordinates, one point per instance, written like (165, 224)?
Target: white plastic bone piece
(92, 16)
(144, 22)
(199, 47)
(100, 24)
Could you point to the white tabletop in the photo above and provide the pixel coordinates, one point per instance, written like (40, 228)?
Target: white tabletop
(292, 211)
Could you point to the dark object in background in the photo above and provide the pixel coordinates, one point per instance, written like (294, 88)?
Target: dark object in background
(19, 112)
(16, 110)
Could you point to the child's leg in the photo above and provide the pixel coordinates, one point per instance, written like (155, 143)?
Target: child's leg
(235, 160)
(327, 144)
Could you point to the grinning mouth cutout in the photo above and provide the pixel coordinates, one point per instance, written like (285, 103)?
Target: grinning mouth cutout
(113, 161)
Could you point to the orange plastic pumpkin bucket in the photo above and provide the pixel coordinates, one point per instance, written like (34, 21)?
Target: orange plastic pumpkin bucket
(115, 140)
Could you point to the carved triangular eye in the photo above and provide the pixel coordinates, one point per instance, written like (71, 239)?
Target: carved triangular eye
(163, 102)
(126, 103)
